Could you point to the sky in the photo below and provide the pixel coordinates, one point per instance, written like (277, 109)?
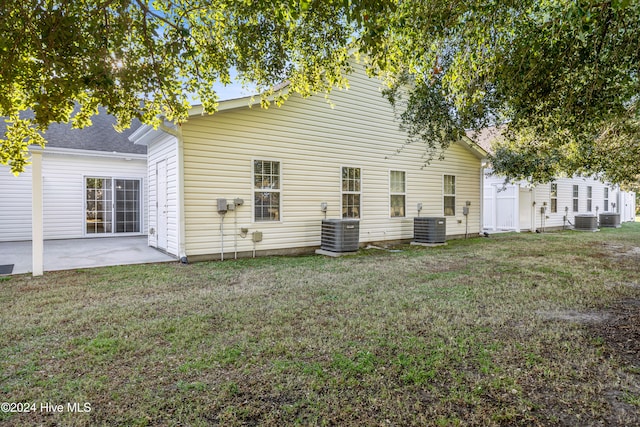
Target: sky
(225, 92)
(231, 91)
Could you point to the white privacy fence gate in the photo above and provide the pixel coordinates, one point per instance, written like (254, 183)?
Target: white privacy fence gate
(501, 207)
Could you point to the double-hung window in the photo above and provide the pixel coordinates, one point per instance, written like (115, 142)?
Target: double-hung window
(576, 200)
(266, 190)
(449, 192)
(397, 193)
(589, 198)
(554, 197)
(606, 199)
(351, 192)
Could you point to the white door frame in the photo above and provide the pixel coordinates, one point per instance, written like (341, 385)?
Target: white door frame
(525, 205)
(162, 220)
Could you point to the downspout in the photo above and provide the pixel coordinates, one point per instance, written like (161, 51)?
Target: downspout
(532, 211)
(177, 132)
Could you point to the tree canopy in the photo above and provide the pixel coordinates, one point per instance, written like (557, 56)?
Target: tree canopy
(562, 76)
(143, 59)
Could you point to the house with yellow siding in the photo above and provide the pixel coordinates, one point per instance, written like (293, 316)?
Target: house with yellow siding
(252, 181)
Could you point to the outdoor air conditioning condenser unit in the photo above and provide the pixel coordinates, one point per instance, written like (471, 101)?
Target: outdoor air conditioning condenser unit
(586, 223)
(432, 230)
(340, 235)
(610, 219)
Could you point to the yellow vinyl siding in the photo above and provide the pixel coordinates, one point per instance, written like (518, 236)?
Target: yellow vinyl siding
(313, 141)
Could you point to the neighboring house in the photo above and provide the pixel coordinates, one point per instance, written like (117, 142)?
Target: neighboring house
(524, 207)
(291, 167)
(94, 185)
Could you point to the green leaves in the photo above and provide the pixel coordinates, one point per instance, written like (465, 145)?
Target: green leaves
(20, 134)
(143, 59)
(560, 74)
(564, 75)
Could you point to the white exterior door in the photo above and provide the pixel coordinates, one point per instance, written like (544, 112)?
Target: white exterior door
(112, 205)
(162, 210)
(627, 203)
(526, 206)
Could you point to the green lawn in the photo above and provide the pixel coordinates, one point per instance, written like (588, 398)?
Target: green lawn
(506, 330)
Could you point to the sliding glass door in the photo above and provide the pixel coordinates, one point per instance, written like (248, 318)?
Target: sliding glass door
(112, 205)
(127, 203)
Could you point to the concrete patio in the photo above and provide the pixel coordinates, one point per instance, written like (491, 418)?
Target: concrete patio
(82, 253)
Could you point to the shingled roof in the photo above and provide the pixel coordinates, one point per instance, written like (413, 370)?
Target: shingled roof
(485, 137)
(100, 136)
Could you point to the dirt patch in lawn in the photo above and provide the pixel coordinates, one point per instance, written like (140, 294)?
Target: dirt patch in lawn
(575, 316)
(616, 329)
(619, 250)
(621, 331)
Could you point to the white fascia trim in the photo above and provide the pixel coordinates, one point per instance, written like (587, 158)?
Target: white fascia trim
(247, 101)
(146, 134)
(88, 153)
(141, 135)
(474, 148)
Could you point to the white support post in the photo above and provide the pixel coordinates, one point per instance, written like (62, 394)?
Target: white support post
(37, 234)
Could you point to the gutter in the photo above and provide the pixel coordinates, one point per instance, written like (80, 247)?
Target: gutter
(88, 153)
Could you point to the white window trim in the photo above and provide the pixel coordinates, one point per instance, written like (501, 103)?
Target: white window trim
(551, 197)
(455, 197)
(404, 193)
(589, 198)
(350, 192)
(253, 190)
(575, 198)
(142, 206)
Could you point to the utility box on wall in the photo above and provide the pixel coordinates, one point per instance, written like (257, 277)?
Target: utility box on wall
(432, 230)
(340, 235)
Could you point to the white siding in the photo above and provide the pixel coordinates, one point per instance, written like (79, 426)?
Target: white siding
(542, 198)
(313, 141)
(164, 149)
(63, 198)
(15, 205)
(565, 200)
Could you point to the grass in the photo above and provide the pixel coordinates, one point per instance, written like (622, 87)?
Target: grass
(493, 331)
